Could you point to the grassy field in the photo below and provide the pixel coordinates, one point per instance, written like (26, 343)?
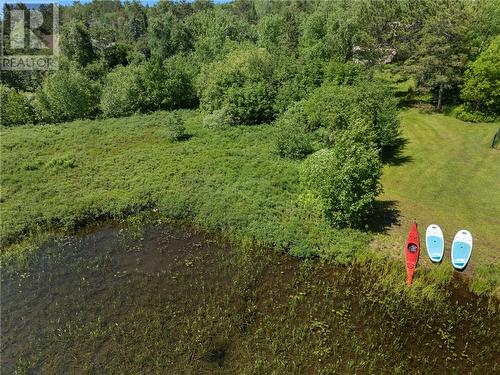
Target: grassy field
(233, 182)
(446, 174)
(226, 180)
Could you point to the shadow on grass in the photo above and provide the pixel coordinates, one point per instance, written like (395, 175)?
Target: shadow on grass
(185, 137)
(393, 155)
(385, 214)
(181, 138)
(216, 355)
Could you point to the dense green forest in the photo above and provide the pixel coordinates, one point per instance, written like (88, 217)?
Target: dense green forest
(248, 62)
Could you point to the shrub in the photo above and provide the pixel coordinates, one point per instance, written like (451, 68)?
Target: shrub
(335, 107)
(379, 107)
(16, 108)
(293, 142)
(67, 95)
(304, 225)
(241, 85)
(151, 86)
(62, 162)
(293, 139)
(358, 130)
(481, 90)
(116, 54)
(468, 114)
(176, 131)
(122, 93)
(76, 43)
(330, 107)
(343, 73)
(212, 29)
(167, 84)
(96, 70)
(22, 80)
(296, 78)
(216, 119)
(346, 177)
(167, 35)
(279, 32)
(135, 57)
(251, 103)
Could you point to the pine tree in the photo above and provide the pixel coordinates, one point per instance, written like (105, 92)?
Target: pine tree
(442, 50)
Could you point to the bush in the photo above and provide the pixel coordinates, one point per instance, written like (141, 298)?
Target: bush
(76, 43)
(67, 95)
(293, 142)
(212, 30)
(16, 108)
(216, 119)
(296, 78)
(122, 93)
(167, 84)
(96, 70)
(241, 85)
(358, 130)
(251, 103)
(346, 177)
(167, 35)
(116, 54)
(343, 74)
(279, 32)
(66, 161)
(481, 90)
(176, 131)
(335, 107)
(151, 86)
(467, 114)
(293, 139)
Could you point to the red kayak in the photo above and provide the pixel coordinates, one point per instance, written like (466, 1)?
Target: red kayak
(411, 251)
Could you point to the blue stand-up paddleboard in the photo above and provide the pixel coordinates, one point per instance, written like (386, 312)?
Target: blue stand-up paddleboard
(434, 241)
(461, 249)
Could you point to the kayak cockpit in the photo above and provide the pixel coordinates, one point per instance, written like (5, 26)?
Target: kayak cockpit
(412, 248)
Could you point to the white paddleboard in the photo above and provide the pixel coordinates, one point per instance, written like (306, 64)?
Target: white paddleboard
(434, 242)
(461, 249)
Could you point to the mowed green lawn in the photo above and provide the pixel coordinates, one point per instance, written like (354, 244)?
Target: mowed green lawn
(447, 174)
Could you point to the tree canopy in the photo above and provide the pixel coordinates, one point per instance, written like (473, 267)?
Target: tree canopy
(481, 90)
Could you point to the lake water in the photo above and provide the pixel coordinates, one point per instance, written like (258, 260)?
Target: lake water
(172, 300)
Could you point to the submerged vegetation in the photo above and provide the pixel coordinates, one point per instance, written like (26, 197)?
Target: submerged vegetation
(156, 299)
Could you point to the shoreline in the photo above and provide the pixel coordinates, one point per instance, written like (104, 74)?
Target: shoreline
(428, 286)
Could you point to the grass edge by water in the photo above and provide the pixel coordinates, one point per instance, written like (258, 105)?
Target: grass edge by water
(429, 283)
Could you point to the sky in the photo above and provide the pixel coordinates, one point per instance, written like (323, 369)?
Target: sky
(145, 2)
(70, 2)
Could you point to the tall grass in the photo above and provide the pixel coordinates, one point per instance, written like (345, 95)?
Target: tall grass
(230, 181)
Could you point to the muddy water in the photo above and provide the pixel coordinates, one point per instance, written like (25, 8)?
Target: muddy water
(170, 300)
